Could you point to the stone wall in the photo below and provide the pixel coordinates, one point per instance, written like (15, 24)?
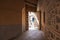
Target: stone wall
(52, 18)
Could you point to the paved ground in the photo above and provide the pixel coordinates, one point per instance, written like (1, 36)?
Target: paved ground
(32, 35)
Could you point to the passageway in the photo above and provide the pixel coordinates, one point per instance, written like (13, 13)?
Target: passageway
(33, 21)
(32, 35)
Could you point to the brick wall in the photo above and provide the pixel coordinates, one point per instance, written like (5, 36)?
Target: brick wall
(52, 18)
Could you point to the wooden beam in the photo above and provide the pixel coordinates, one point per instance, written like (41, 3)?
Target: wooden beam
(30, 4)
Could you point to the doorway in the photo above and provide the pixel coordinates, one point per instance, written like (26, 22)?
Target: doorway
(33, 21)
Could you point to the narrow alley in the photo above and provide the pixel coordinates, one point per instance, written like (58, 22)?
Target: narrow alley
(29, 19)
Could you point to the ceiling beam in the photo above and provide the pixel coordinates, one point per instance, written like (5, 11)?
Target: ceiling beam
(30, 4)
